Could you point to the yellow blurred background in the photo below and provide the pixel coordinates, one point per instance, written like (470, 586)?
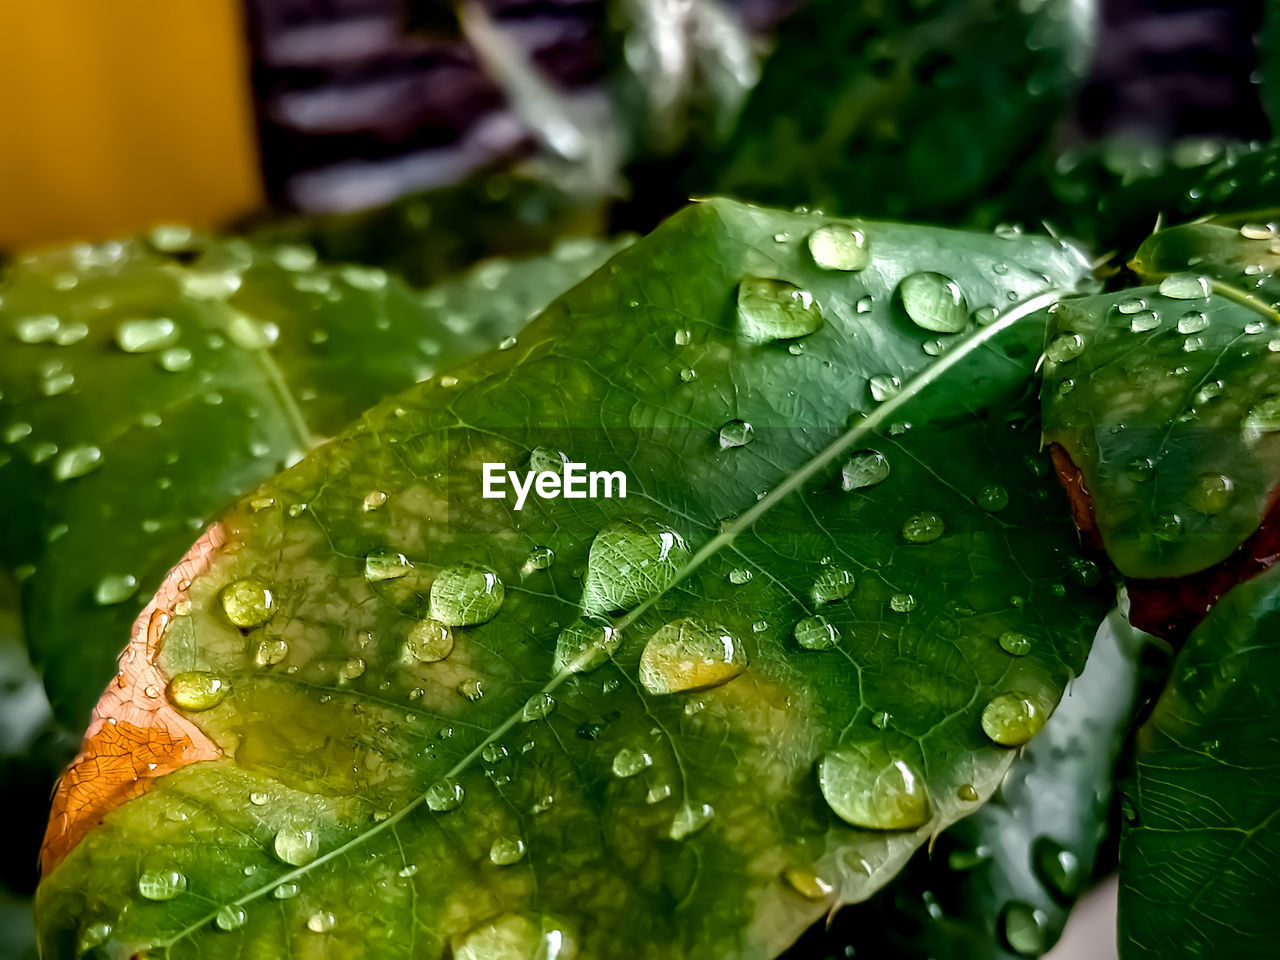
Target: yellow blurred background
(119, 114)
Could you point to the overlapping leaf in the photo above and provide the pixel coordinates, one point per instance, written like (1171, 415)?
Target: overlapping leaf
(380, 784)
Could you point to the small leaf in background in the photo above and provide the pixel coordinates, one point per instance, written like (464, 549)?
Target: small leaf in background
(1201, 839)
(143, 389)
(362, 798)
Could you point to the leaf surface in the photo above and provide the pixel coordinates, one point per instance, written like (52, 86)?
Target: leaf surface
(378, 784)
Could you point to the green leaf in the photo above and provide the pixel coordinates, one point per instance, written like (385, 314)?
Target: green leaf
(1197, 857)
(1016, 866)
(870, 107)
(383, 783)
(142, 390)
(1163, 395)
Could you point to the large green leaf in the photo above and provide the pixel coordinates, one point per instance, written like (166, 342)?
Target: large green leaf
(1000, 884)
(1165, 398)
(1197, 858)
(141, 390)
(871, 107)
(411, 754)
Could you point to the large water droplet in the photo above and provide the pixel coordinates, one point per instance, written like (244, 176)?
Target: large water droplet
(1184, 286)
(162, 884)
(321, 921)
(817, 633)
(296, 845)
(249, 334)
(883, 386)
(585, 645)
(428, 641)
(736, 433)
(775, 310)
(270, 652)
(868, 787)
(628, 762)
(1014, 643)
(145, 334)
(902, 603)
(114, 588)
(248, 603)
(934, 302)
(384, 564)
(690, 654)
(285, 891)
(540, 558)
(1011, 719)
(923, 528)
(630, 561)
(38, 328)
(1064, 347)
(865, 468)
(838, 246)
(77, 461)
(1193, 321)
(537, 707)
(506, 850)
(1023, 929)
(513, 936)
(831, 584)
(806, 882)
(1212, 493)
(1144, 321)
(466, 594)
(689, 819)
(445, 795)
(993, 498)
(1263, 416)
(197, 690)
(94, 935)
(230, 917)
(1058, 869)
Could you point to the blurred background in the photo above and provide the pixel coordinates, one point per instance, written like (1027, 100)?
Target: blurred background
(425, 137)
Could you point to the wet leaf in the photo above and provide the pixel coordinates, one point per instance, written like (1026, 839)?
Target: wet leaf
(1198, 850)
(143, 386)
(693, 779)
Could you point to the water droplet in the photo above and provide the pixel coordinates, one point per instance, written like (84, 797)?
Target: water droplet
(1193, 321)
(816, 633)
(285, 891)
(967, 792)
(775, 310)
(94, 935)
(690, 654)
(658, 793)
(688, 375)
(230, 917)
(880, 719)
(839, 246)
(736, 433)
(1263, 416)
(270, 652)
(883, 387)
(114, 588)
(384, 564)
(1144, 321)
(196, 690)
(689, 819)
(806, 882)
(351, 669)
(513, 936)
(902, 603)
(864, 304)
(1023, 929)
(630, 561)
(865, 468)
(1017, 644)
(36, 329)
(993, 498)
(445, 795)
(162, 884)
(1064, 347)
(540, 558)
(428, 641)
(1257, 231)
(682, 337)
(1212, 493)
(1167, 527)
(76, 462)
(628, 762)
(585, 645)
(249, 334)
(831, 584)
(1132, 305)
(472, 689)
(373, 500)
(506, 850)
(506, 343)
(55, 379)
(537, 707)
(296, 845)
(985, 316)
(145, 334)
(868, 787)
(1012, 719)
(16, 431)
(465, 594)
(1184, 286)
(258, 798)
(923, 528)
(248, 603)
(934, 302)
(1058, 869)
(321, 921)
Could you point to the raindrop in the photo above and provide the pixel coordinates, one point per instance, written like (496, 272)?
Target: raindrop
(428, 641)
(816, 633)
(1012, 719)
(506, 850)
(373, 500)
(145, 335)
(270, 652)
(630, 561)
(407, 871)
(690, 654)
(1263, 416)
(1212, 493)
(249, 334)
(1017, 644)
(114, 588)
(540, 558)
(16, 431)
(537, 707)
(162, 884)
(321, 921)
(1193, 321)
(465, 594)
(36, 329)
(736, 433)
(258, 798)
(175, 359)
(967, 792)
(934, 302)
(740, 575)
(76, 462)
(883, 387)
(864, 304)
(1144, 321)
(775, 310)
(628, 762)
(285, 891)
(902, 603)
(1257, 231)
(248, 603)
(831, 584)
(94, 935)
(296, 845)
(1184, 286)
(865, 468)
(868, 787)
(689, 820)
(1131, 306)
(585, 645)
(472, 689)
(230, 917)
(196, 690)
(985, 316)
(445, 795)
(1057, 867)
(1023, 928)
(993, 498)
(840, 247)
(923, 528)
(1064, 347)
(806, 882)
(384, 564)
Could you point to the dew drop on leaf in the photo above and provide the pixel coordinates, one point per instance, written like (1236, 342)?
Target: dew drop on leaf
(1131, 306)
(816, 633)
(196, 690)
(967, 792)
(690, 654)
(868, 787)
(540, 558)
(1057, 868)
(1212, 493)
(883, 387)
(77, 461)
(321, 921)
(864, 469)
(923, 528)
(736, 433)
(771, 309)
(1263, 416)
(513, 936)
(864, 304)
(1023, 929)
(270, 652)
(428, 641)
(230, 917)
(175, 359)
(537, 707)
(1064, 347)
(145, 334)
(444, 795)
(902, 603)
(471, 689)
(38, 328)
(248, 603)
(1144, 321)
(1184, 286)
(466, 593)
(934, 302)
(1257, 231)
(114, 588)
(162, 884)
(373, 500)
(1012, 719)
(840, 247)
(831, 584)
(249, 334)
(383, 564)
(627, 762)
(1014, 643)
(993, 498)
(1193, 321)
(506, 850)
(94, 935)
(285, 891)
(630, 561)
(296, 845)
(806, 882)
(585, 645)
(258, 798)
(689, 819)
